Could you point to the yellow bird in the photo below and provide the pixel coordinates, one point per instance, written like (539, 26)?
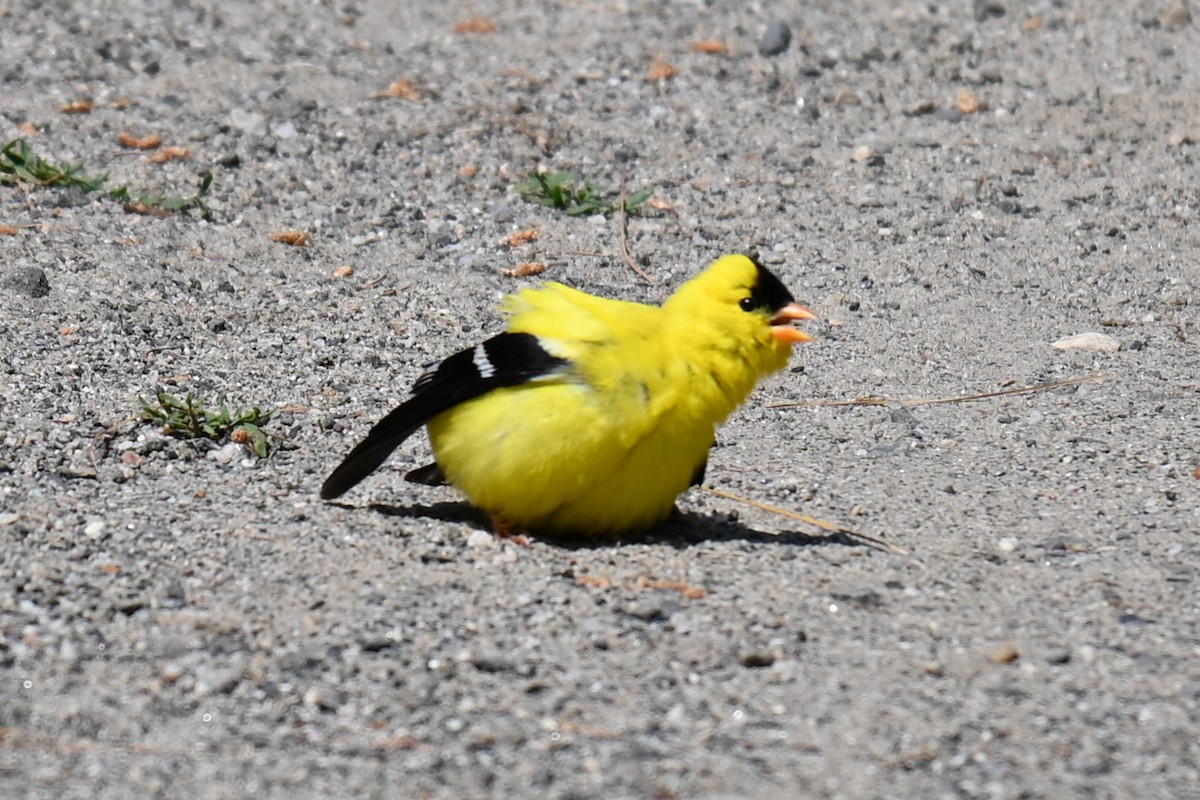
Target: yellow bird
(587, 417)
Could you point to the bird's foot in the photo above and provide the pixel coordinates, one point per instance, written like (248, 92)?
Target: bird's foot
(505, 532)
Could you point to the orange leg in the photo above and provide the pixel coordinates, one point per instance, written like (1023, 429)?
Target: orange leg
(506, 533)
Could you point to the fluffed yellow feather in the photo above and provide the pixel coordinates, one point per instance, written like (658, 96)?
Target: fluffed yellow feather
(601, 439)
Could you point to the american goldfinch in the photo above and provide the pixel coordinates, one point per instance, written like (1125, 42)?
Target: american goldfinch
(587, 417)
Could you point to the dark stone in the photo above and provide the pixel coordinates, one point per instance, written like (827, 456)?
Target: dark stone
(26, 281)
(776, 39)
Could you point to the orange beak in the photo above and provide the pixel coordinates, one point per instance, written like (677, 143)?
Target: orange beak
(781, 324)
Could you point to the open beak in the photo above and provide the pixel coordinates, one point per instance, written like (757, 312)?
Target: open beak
(781, 324)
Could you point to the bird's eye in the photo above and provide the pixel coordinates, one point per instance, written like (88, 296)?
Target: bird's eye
(748, 304)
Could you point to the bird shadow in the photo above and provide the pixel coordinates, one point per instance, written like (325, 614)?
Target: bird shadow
(693, 530)
(446, 511)
(714, 528)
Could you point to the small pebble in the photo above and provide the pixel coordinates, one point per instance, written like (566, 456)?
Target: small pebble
(28, 282)
(756, 659)
(859, 595)
(988, 8)
(227, 454)
(1004, 654)
(174, 595)
(847, 98)
(921, 108)
(776, 39)
(651, 610)
(479, 540)
(216, 680)
(493, 663)
(285, 130)
(1006, 546)
(967, 103)
(1060, 656)
(323, 698)
(1177, 16)
(1091, 341)
(247, 121)
(1065, 543)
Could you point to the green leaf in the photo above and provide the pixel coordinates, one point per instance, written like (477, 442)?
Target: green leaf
(189, 419)
(634, 201)
(575, 195)
(17, 160)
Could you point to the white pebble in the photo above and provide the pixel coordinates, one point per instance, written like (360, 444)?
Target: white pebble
(227, 454)
(478, 540)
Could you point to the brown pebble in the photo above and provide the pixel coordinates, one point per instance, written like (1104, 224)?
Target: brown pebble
(1004, 654)
(967, 103)
(525, 269)
(149, 142)
(711, 47)
(1177, 16)
(77, 107)
(293, 237)
(846, 98)
(474, 25)
(660, 71)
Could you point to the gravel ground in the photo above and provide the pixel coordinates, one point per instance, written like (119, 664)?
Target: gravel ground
(951, 187)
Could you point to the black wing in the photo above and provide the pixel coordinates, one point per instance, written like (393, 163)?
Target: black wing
(505, 360)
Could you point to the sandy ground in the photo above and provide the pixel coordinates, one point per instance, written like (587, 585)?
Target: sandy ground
(952, 187)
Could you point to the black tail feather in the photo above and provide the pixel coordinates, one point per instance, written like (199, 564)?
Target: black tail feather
(508, 359)
(388, 434)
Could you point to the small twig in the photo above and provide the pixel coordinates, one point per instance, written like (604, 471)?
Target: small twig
(858, 401)
(929, 401)
(624, 244)
(835, 529)
(587, 254)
